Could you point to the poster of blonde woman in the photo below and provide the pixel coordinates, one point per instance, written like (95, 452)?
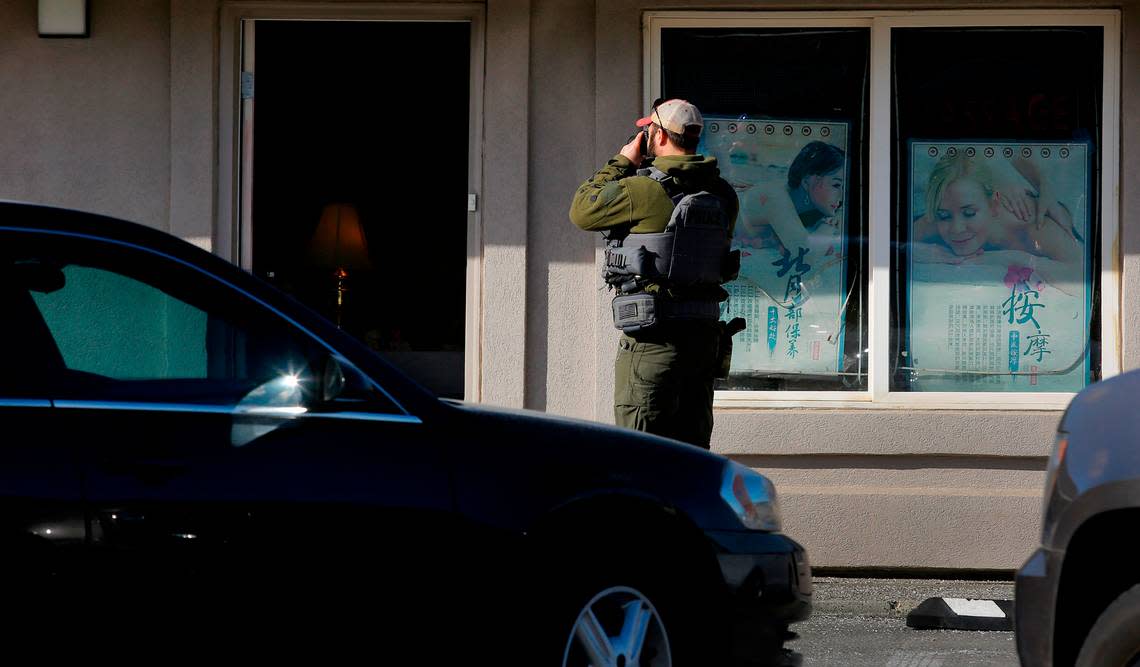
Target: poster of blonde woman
(791, 176)
(999, 279)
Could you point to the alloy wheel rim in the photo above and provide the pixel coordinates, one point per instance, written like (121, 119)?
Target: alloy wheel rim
(619, 627)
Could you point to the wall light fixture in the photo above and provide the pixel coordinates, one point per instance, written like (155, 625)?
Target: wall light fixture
(65, 18)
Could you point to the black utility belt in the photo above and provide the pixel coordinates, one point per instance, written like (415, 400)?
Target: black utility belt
(638, 312)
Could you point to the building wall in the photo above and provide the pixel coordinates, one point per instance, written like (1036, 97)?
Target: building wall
(86, 122)
(919, 488)
(562, 328)
(126, 123)
(193, 119)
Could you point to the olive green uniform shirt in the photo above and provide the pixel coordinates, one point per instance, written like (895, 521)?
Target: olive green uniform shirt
(615, 198)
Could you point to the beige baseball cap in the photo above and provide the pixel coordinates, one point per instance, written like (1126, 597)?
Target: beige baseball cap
(676, 116)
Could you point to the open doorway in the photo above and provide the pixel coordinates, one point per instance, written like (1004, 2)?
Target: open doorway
(359, 131)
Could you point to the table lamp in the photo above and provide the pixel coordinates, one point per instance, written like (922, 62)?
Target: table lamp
(339, 244)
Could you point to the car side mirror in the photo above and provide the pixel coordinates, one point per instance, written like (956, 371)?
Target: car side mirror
(332, 380)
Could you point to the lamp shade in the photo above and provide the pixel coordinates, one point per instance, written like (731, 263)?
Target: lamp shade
(339, 241)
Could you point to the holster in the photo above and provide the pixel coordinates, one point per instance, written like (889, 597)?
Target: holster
(727, 331)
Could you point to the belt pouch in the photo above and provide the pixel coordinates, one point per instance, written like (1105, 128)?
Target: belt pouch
(635, 312)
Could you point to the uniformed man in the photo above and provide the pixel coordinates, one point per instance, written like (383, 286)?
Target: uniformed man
(669, 352)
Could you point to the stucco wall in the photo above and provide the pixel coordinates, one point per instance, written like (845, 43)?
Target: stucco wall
(193, 116)
(1130, 183)
(86, 122)
(561, 327)
(505, 172)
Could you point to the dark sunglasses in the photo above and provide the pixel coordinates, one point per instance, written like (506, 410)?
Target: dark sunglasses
(653, 109)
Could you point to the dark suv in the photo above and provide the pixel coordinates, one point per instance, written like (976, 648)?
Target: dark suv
(1078, 595)
(189, 454)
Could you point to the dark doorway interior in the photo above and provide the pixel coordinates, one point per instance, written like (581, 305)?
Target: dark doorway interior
(372, 114)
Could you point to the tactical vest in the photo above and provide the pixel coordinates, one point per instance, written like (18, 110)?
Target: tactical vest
(693, 251)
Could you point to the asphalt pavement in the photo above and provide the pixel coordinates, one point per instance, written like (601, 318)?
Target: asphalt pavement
(862, 623)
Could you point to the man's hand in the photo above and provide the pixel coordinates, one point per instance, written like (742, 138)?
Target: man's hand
(632, 150)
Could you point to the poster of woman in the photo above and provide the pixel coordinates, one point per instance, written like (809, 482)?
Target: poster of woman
(999, 282)
(791, 176)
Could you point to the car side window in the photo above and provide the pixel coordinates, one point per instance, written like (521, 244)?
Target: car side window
(110, 322)
(121, 328)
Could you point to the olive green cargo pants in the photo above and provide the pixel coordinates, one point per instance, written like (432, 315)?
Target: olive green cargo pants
(663, 380)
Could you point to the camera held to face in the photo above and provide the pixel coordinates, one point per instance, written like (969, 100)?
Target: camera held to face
(643, 144)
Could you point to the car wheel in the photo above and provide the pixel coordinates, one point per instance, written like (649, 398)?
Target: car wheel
(618, 627)
(1114, 640)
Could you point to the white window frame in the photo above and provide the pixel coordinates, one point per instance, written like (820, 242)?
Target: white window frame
(878, 394)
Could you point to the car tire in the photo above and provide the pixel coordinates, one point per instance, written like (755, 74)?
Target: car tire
(1114, 640)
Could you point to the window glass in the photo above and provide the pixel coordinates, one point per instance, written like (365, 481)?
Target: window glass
(785, 114)
(316, 160)
(996, 208)
(98, 310)
(110, 323)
